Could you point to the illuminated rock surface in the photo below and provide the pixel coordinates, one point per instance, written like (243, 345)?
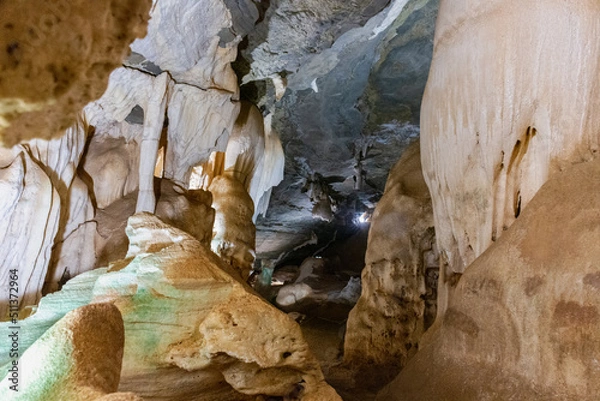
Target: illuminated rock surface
(190, 327)
(504, 110)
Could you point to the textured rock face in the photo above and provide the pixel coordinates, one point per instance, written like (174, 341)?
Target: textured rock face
(56, 57)
(29, 197)
(71, 361)
(189, 211)
(254, 156)
(193, 41)
(234, 234)
(293, 32)
(503, 111)
(345, 115)
(189, 324)
(397, 303)
(524, 320)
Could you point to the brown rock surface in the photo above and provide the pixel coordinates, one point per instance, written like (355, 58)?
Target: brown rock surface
(234, 234)
(189, 211)
(77, 359)
(524, 322)
(56, 57)
(192, 330)
(396, 306)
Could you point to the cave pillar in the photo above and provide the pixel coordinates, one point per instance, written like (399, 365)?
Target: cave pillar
(154, 117)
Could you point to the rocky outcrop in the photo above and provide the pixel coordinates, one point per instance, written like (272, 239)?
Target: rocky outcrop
(398, 297)
(56, 57)
(523, 322)
(192, 331)
(505, 109)
(71, 361)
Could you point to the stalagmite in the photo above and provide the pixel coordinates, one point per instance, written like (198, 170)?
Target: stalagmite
(397, 303)
(154, 116)
(234, 234)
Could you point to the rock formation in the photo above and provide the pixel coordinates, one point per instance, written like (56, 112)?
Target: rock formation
(504, 110)
(56, 57)
(71, 361)
(397, 303)
(181, 342)
(523, 322)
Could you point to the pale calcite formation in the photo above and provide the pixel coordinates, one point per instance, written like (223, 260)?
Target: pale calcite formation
(73, 248)
(234, 233)
(254, 156)
(396, 305)
(200, 122)
(29, 221)
(524, 322)
(189, 38)
(192, 331)
(512, 98)
(71, 361)
(48, 227)
(111, 165)
(56, 57)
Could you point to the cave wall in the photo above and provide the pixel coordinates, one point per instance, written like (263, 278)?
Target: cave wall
(509, 144)
(505, 108)
(174, 102)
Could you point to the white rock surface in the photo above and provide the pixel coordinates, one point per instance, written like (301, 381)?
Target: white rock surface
(512, 98)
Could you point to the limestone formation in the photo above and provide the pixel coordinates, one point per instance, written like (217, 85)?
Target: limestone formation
(71, 361)
(397, 303)
(510, 101)
(523, 322)
(189, 211)
(254, 156)
(234, 234)
(110, 167)
(200, 122)
(56, 57)
(189, 324)
(193, 41)
(29, 221)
